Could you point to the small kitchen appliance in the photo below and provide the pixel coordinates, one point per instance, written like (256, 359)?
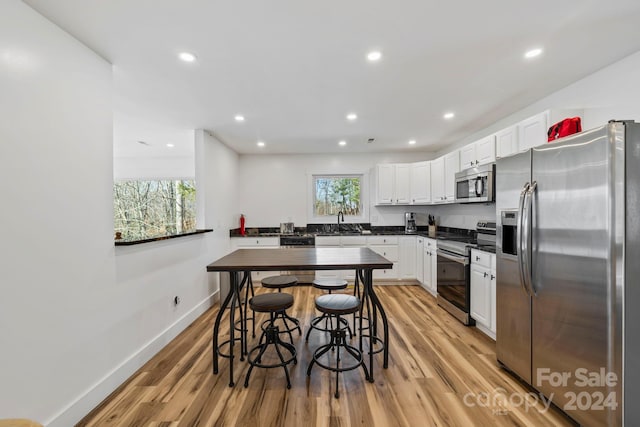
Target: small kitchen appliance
(410, 223)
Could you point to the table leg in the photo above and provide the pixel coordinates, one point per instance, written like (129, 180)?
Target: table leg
(216, 326)
(383, 315)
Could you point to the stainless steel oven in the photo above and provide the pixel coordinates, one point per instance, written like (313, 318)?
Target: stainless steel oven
(476, 185)
(297, 241)
(454, 259)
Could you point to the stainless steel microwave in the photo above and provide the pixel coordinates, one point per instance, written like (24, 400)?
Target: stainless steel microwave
(476, 185)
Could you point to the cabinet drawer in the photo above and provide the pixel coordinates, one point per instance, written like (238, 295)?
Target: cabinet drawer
(327, 240)
(382, 240)
(430, 243)
(387, 273)
(481, 258)
(390, 252)
(353, 241)
(252, 242)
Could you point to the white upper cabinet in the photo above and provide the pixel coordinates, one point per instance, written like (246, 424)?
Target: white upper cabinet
(478, 153)
(507, 141)
(437, 181)
(451, 167)
(533, 131)
(402, 184)
(385, 184)
(420, 183)
(486, 150)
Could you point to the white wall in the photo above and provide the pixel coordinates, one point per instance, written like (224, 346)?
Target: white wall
(276, 188)
(611, 93)
(143, 167)
(77, 315)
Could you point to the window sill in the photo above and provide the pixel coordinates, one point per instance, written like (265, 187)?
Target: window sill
(125, 242)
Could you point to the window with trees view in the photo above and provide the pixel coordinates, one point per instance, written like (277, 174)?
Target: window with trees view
(335, 193)
(144, 209)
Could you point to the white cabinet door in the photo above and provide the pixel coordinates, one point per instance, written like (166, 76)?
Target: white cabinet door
(480, 295)
(486, 150)
(420, 259)
(407, 257)
(420, 183)
(507, 141)
(437, 180)
(433, 250)
(384, 184)
(533, 131)
(430, 266)
(468, 156)
(451, 167)
(402, 184)
(426, 264)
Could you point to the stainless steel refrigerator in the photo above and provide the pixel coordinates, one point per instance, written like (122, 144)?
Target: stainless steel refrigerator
(568, 272)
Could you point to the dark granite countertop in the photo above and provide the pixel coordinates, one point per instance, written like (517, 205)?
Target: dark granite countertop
(356, 230)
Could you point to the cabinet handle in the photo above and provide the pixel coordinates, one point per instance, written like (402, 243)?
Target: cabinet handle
(476, 162)
(384, 253)
(257, 241)
(486, 274)
(477, 258)
(471, 163)
(493, 277)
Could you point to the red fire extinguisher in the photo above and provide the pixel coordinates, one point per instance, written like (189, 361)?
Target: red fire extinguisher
(242, 231)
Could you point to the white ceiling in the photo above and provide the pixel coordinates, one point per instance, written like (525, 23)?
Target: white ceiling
(295, 68)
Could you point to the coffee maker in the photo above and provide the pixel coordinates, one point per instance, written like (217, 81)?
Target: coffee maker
(410, 223)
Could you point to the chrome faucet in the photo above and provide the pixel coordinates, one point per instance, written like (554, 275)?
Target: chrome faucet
(340, 214)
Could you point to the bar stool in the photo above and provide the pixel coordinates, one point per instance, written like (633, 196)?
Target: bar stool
(330, 285)
(338, 305)
(280, 282)
(274, 304)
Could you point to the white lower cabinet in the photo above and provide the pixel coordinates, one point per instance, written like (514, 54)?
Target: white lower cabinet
(257, 243)
(420, 259)
(407, 257)
(483, 291)
(387, 246)
(429, 263)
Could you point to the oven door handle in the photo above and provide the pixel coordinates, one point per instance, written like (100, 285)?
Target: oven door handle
(457, 258)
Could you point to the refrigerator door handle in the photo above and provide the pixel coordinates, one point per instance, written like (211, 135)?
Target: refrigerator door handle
(526, 238)
(519, 248)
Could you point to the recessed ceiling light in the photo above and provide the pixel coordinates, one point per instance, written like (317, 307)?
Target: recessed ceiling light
(260, 144)
(412, 142)
(170, 145)
(533, 53)
(187, 57)
(449, 115)
(374, 55)
(352, 116)
(239, 118)
(342, 143)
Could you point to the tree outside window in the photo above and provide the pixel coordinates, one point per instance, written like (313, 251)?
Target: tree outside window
(144, 209)
(335, 193)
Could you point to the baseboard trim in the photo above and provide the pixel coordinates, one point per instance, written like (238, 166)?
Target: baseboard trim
(88, 400)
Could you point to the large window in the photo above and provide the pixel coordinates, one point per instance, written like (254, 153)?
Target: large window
(337, 193)
(144, 209)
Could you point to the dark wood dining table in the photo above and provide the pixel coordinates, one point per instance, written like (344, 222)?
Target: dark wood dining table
(244, 261)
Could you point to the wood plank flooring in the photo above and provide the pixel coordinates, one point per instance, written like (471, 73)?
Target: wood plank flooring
(440, 373)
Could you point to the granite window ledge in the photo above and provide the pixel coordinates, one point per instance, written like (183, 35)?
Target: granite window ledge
(126, 242)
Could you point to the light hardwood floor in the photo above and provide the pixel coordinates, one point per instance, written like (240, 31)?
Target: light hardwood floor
(440, 373)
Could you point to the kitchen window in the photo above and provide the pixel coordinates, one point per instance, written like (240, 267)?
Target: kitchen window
(153, 208)
(338, 193)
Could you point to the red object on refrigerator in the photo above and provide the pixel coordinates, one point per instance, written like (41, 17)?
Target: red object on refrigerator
(242, 230)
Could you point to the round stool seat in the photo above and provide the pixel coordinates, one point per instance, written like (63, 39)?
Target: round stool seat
(279, 282)
(19, 423)
(329, 284)
(337, 304)
(266, 303)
